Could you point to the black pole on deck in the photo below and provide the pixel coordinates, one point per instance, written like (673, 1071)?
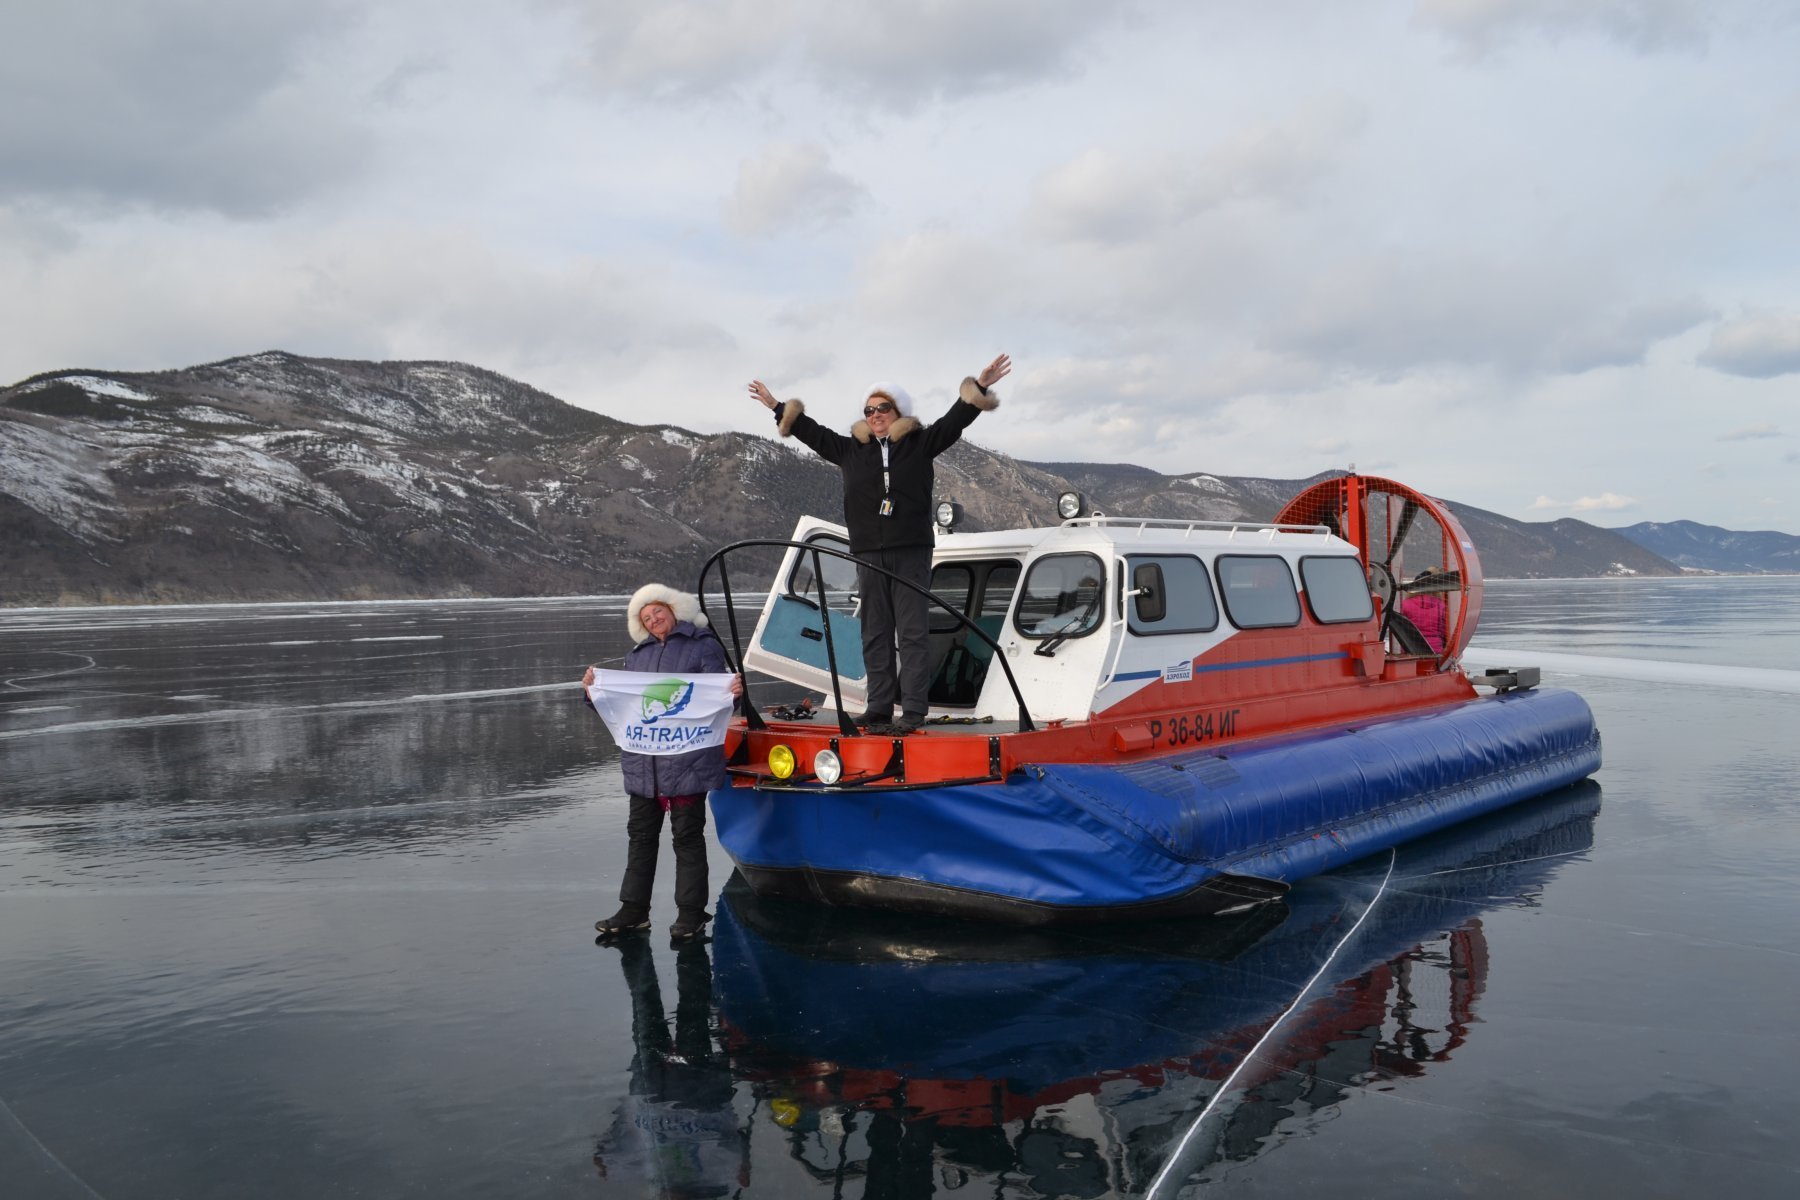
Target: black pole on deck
(846, 725)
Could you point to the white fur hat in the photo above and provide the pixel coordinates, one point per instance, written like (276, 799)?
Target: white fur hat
(902, 400)
(685, 606)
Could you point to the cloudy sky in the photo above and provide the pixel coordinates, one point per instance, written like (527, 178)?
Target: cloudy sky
(1534, 255)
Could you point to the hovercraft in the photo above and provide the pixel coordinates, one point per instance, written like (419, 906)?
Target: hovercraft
(1136, 718)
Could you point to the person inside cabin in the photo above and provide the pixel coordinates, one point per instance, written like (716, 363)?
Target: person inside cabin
(886, 462)
(671, 637)
(1428, 611)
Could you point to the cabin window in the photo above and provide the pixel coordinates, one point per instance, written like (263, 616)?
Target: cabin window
(1258, 591)
(982, 590)
(951, 583)
(997, 593)
(1063, 596)
(840, 575)
(1337, 591)
(1174, 595)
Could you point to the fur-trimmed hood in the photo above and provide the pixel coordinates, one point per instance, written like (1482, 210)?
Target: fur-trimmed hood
(899, 429)
(685, 606)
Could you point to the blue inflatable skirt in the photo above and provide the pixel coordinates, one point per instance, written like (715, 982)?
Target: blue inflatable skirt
(1198, 832)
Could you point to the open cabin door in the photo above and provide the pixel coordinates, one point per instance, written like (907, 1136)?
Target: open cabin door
(789, 642)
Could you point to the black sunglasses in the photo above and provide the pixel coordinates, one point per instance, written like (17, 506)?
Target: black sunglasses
(870, 410)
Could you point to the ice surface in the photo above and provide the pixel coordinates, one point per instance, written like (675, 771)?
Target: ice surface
(1762, 679)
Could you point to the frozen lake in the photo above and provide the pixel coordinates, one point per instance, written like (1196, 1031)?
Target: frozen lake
(298, 901)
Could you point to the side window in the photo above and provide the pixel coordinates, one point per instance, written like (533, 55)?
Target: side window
(1175, 595)
(951, 583)
(1336, 589)
(1063, 596)
(840, 575)
(1258, 591)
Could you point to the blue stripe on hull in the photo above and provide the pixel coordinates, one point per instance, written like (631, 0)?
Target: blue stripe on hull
(1104, 836)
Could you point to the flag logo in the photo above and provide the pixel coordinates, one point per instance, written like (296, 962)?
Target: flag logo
(665, 698)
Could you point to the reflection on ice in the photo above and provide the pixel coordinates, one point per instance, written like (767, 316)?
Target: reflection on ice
(1082, 1061)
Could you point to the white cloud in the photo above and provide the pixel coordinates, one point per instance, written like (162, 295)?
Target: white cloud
(678, 49)
(1758, 346)
(790, 187)
(902, 53)
(1245, 239)
(1479, 27)
(203, 104)
(366, 290)
(1392, 312)
(1751, 433)
(894, 56)
(1604, 502)
(1114, 195)
(937, 279)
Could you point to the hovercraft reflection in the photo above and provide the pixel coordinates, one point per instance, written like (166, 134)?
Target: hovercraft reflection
(1076, 1061)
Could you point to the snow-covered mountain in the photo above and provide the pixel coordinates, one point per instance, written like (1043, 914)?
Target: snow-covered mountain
(279, 477)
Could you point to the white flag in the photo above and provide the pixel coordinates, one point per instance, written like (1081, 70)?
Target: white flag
(650, 713)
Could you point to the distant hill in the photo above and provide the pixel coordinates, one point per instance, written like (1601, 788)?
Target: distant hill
(1709, 548)
(277, 477)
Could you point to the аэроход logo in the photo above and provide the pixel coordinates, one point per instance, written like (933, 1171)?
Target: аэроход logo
(665, 698)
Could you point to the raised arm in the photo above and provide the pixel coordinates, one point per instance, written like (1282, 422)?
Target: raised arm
(791, 420)
(976, 399)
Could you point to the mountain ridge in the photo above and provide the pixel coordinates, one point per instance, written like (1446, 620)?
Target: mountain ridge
(274, 476)
(1697, 547)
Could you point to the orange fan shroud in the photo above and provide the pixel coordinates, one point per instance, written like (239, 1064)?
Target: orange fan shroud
(1411, 545)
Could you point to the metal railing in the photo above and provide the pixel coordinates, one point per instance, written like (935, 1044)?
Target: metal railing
(1184, 525)
(846, 725)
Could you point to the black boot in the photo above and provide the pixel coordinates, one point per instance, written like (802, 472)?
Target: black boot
(629, 919)
(689, 924)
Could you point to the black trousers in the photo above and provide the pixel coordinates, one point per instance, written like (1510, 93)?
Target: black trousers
(891, 613)
(687, 834)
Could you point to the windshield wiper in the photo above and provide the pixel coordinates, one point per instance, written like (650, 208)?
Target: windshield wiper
(1048, 649)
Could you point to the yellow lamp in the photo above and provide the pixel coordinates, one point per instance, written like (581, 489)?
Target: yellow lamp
(781, 761)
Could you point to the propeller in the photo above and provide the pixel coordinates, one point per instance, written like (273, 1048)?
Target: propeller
(1382, 518)
(1381, 574)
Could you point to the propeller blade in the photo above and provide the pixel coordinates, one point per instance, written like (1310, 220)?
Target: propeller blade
(1433, 581)
(1407, 512)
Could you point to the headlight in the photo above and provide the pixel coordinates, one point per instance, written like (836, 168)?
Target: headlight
(781, 761)
(1068, 505)
(949, 512)
(828, 767)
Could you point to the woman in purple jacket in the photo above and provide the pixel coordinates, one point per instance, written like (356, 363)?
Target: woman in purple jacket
(671, 636)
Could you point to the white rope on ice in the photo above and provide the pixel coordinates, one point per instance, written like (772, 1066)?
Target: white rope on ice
(9, 1121)
(1181, 1147)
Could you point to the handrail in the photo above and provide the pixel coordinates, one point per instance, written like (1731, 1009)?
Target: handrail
(1183, 523)
(1117, 626)
(845, 724)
